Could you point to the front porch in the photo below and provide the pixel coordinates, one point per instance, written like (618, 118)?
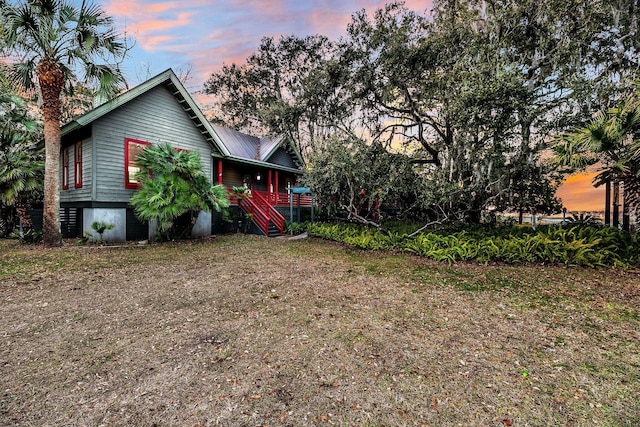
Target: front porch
(275, 199)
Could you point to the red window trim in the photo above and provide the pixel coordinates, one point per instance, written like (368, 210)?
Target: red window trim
(128, 162)
(77, 164)
(65, 168)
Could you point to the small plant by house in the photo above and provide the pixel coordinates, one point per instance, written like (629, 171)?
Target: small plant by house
(101, 227)
(241, 192)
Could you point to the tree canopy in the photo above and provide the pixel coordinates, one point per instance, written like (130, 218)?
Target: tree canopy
(359, 178)
(473, 92)
(21, 159)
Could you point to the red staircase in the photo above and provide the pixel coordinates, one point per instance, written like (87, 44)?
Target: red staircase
(265, 216)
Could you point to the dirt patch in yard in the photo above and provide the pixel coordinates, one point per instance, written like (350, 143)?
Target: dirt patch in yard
(249, 331)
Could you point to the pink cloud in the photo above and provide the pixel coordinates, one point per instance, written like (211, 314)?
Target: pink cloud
(146, 20)
(419, 5)
(272, 7)
(331, 23)
(202, 34)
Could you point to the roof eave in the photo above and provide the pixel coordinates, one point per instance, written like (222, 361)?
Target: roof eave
(280, 143)
(262, 164)
(267, 155)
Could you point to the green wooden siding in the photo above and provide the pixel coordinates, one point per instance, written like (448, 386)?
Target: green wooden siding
(78, 194)
(156, 117)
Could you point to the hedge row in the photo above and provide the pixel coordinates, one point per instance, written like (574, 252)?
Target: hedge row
(575, 246)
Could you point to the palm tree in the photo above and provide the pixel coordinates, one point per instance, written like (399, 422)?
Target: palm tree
(58, 43)
(174, 190)
(21, 161)
(21, 178)
(609, 139)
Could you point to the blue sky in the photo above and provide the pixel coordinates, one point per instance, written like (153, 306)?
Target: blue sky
(201, 35)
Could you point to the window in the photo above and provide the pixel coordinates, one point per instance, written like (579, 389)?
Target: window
(132, 148)
(77, 164)
(65, 168)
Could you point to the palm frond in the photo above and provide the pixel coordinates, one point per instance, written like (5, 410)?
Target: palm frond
(74, 37)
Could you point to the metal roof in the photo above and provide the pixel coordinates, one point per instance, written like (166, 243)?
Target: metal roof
(250, 149)
(240, 144)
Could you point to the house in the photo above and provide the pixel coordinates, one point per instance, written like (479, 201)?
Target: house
(97, 168)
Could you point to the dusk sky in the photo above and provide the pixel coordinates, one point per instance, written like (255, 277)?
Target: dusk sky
(202, 35)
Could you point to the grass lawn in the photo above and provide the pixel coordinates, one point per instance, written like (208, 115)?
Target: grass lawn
(249, 331)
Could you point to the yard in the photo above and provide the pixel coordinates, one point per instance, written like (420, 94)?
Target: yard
(249, 331)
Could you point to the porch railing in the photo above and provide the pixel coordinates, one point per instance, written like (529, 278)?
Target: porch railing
(282, 198)
(262, 212)
(272, 214)
(262, 207)
(257, 215)
(279, 199)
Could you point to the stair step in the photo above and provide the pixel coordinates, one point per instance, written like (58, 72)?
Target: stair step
(272, 231)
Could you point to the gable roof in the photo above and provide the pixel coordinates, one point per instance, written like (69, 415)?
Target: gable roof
(171, 82)
(232, 144)
(244, 146)
(240, 144)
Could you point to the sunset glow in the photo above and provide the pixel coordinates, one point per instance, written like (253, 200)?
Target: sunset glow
(579, 195)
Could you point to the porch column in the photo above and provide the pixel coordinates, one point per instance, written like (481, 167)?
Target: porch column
(277, 189)
(220, 171)
(269, 192)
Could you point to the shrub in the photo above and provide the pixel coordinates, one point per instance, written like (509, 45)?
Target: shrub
(174, 189)
(576, 245)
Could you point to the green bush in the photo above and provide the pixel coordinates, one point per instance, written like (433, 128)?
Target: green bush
(297, 227)
(576, 245)
(29, 237)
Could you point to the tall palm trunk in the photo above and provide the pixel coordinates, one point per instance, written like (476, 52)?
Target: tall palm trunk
(51, 79)
(616, 204)
(607, 203)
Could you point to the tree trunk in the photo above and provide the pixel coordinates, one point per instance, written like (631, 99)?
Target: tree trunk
(626, 220)
(607, 204)
(51, 80)
(22, 210)
(616, 204)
